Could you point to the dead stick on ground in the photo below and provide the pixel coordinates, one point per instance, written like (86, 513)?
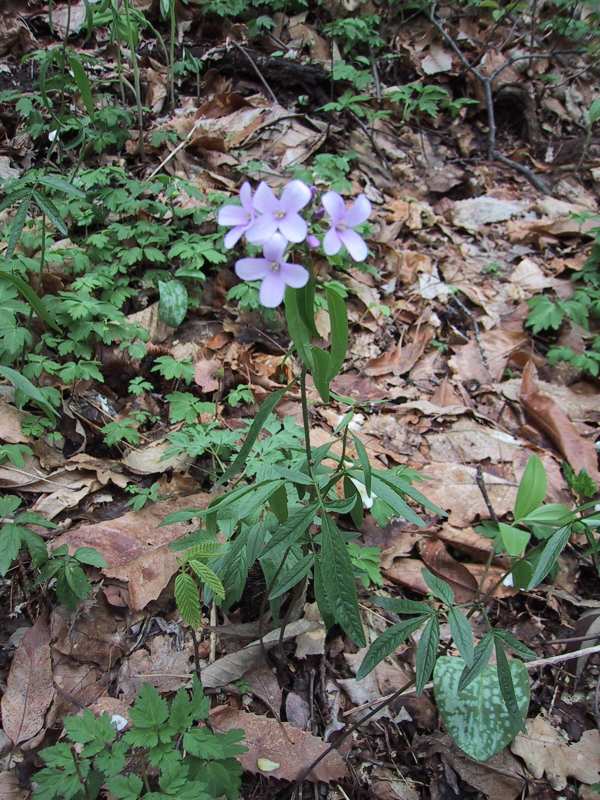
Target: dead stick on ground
(261, 77)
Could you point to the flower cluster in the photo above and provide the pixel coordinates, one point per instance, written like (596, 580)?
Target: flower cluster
(273, 222)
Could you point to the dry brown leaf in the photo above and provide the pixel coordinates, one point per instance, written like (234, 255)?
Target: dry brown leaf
(546, 750)
(579, 406)
(205, 374)
(497, 345)
(136, 547)
(401, 358)
(439, 561)
(164, 666)
(76, 684)
(437, 60)
(149, 319)
(10, 424)
(9, 787)
(467, 441)
(96, 635)
(29, 687)
(280, 743)
(390, 784)
(381, 681)
(474, 212)
(550, 418)
(151, 459)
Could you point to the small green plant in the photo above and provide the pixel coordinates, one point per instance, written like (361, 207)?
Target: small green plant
(241, 395)
(428, 99)
(142, 495)
(356, 32)
(71, 583)
(16, 534)
(163, 754)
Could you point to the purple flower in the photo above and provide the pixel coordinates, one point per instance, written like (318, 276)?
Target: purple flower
(240, 217)
(274, 272)
(280, 215)
(343, 219)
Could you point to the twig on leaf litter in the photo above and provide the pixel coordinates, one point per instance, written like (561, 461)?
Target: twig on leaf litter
(261, 77)
(486, 82)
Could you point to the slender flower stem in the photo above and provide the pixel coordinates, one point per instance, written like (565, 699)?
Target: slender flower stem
(306, 422)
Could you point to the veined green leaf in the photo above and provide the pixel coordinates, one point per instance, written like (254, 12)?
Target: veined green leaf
(389, 641)
(187, 599)
(462, 634)
(338, 576)
(481, 656)
(438, 587)
(532, 488)
(338, 318)
(173, 304)
(47, 207)
(292, 577)
(427, 650)
(549, 555)
(507, 687)
(514, 539)
(17, 226)
(32, 298)
(27, 388)
(363, 460)
(320, 371)
(208, 577)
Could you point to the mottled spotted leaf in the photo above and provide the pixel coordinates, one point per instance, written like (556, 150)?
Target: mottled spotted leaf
(477, 718)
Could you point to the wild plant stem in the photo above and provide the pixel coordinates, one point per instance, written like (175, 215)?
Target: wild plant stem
(136, 79)
(306, 422)
(172, 54)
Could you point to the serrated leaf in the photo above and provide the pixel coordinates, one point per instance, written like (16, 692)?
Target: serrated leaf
(515, 645)
(438, 587)
(338, 575)
(476, 718)
(481, 656)
(532, 488)
(188, 599)
(173, 304)
(149, 709)
(202, 743)
(427, 650)
(462, 634)
(399, 605)
(388, 643)
(208, 577)
(90, 556)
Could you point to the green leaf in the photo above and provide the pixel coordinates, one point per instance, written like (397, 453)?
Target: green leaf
(338, 318)
(515, 645)
(305, 300)
(89, 555)
(208, 577)
(544, 314)
(481, 656)
(507, 688)
(59, 184)
(363, 460)
(323, 602)
(438, 588)
(476, 718)
(403, 487)
(532, 488)
(391, 496)
(173, 304)
(427, 650)
(514, 539)
(77, 580)
(279, 503)
(149, 709)
(17, 226)
(289, 578)
(556, 514)
(32, 298)
(398, 605)
(47, 207)
(320, 371)
(187, 599)
(265, 409)
(24, 385)
(338, 576)
(10, 544)
(594, 111)
(462, 634)
(202, 743)
(549, 555)
(83, 83)
(125, 787)
(388, 643)
(300, 334)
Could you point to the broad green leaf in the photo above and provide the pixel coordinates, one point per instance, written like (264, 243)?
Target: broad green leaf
(404, 487)
(320, 371)
(514, 539)
(476, 718)
(77, 580)
(323, 602)
(59, 184)
(34, 300)
(150, 710)
(594, 111)
(10, 544)
(462, 634)
(549, 556)
(187, 599)
(279, 503)
(363, 460)
(392, 497)
(173, 304)
(209, 578)
(89, 555)
(398, 605)
(338, 318)
(27, 388)
(338, 575)
(83, 83)
(532, 488)
(549, 514)
(438, 587)
(481, 656)
(427, 650)
(506, 683)
(300, 334)
(305, 300)
(266, 407)
(125, 787)
(388, 643)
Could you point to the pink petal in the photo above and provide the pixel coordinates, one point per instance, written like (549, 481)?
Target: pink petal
(334, 206)
(274, 248)
(272, 289)
(252, 269)
(293, 227)
(262, 229)
(355, 245)
(331, 242)
(246, 197)
(264, 199)
(233, 236)
(358, 212)
(294, 275)
(232, 215)
(295, 196)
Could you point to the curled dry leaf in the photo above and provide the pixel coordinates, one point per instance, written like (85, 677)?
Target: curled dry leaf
(29, 688)
(401, 358)
(95, 636)
(10, 424)
(164, 666)
(205, 374)
(136, 547)
(546, 750)
(547, 415)
(279, 743)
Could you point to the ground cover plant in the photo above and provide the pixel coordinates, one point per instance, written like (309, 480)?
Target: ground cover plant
(298, 399)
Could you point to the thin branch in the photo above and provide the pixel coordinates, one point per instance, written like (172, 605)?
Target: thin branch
(261, 77)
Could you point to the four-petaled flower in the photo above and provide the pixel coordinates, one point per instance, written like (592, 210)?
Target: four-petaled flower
(279, 215)
(343, 219)
(274, 272)
(240, 217)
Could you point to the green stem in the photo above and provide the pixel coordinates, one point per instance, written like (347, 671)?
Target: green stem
(306, 423)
